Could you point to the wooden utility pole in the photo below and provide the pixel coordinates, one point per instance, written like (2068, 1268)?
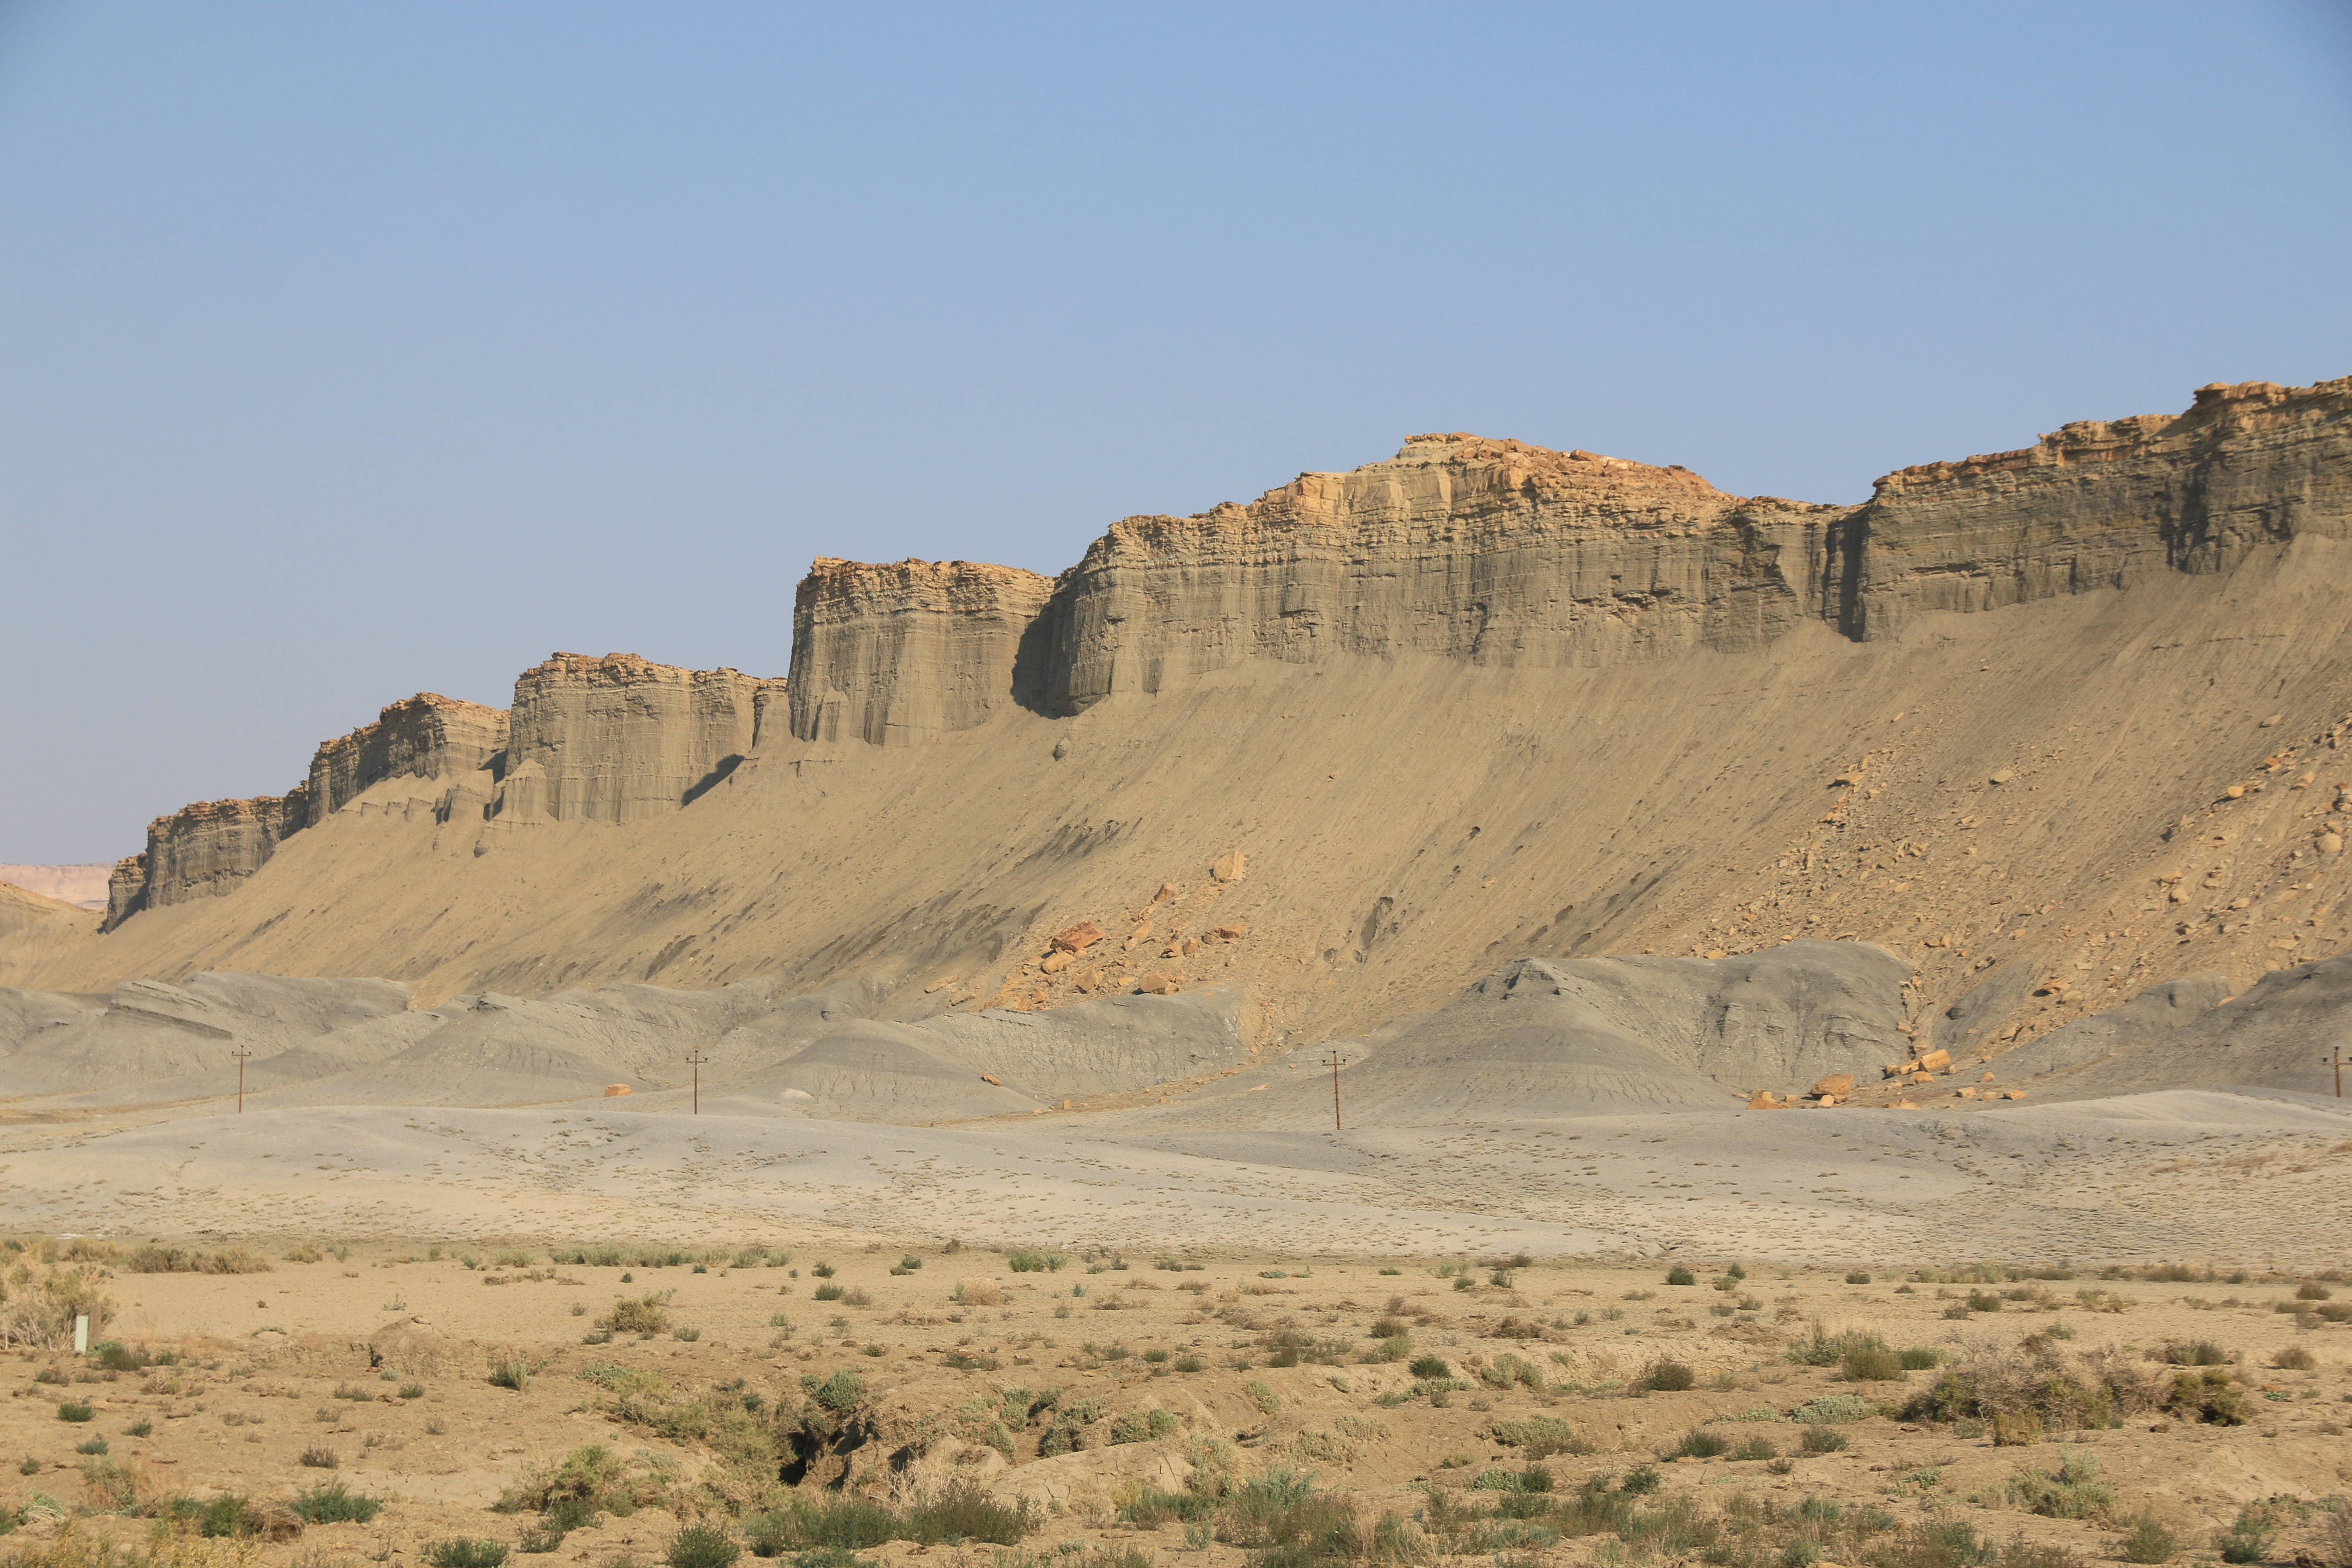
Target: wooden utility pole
(1335, 1061)
(2334, 1058)
(698, 1058)
(240, 1054)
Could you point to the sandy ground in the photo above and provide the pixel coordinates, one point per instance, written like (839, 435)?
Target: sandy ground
(277, 1362)
(2191, 1174)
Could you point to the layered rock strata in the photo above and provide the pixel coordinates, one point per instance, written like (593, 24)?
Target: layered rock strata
(912, 650)
(2099, 504)
(1490, 552)
(424, 736)
(621, 739)
(202, 851)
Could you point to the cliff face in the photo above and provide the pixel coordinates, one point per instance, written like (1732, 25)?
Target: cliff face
(202, 851)
(1495, 553)
(424, 736)
(908, 652)
(620, 738)
(1561, 706)
(2100, 504)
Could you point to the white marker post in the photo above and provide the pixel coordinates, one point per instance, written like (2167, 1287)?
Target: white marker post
(82, 1333)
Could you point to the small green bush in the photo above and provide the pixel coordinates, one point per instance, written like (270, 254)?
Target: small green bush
(1668, 1376)
(702, 1546)
(1679, 1275)
(319, 1456)
(1026, 1260)
(2248, 1537)
(90, 1446)
(1430, 1366)
(1857, 1277)
(1701, 1445)
(332, 1502)
(514, 1374)
(646, 1314)
(1870, 1363)
(464, 1553)
(2148, 1541)
(74, 1410)
(1821, 1440)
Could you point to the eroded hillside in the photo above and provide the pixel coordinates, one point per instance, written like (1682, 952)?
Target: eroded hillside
(2053, 725)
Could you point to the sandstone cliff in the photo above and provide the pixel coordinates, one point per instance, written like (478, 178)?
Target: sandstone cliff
(202, 851)
(424, 736)
(911, 651)
(620, 738)
(1495, 553)
(2054, 726)
(2100, 504)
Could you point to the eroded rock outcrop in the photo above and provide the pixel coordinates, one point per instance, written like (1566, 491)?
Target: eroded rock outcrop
(911, 650)
(1493, 552)
(621, 739)
(2100, 504)
(424, 736)
(202, 851)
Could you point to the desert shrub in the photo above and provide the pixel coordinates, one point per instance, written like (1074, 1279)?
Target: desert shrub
(178, 1260)
(2073, 1490)
(1539, 1436)
(1857, 1277)
(2293, 1358)
(702, 1546)
(1679, 1275)
(112, 1355)
(1833, 1410)
(2195, 1352)
(2209, 1395)
(461, 1553)
(319, 1456)
(1700, 1444)
(979, 1293)
(1507, 1369)
(2148, 1541)
(1825, 1349)
(1430, 1366)
(227, 1517)
(828, 1292)
(90, 1446)
(334, 1503)
(1143, 1426)
(514, 1374)
(648, 1314)
(111, 1484)
(40, 1299)
(1756, 1449)
(1668, 1376)
(1920, 1358)
(74, 1410)
(2022, 1390)
(1030, 1261)
(2247, 1538)
(1821, 1440)
(847, 1522)
(2312, 1290)
(1870, 1363)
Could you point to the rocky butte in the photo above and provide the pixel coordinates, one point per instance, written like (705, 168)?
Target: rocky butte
(2056, 728)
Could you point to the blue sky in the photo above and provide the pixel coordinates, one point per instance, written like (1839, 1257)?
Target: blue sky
(348, 350)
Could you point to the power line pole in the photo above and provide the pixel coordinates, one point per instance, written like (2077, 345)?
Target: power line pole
(1335, 1061)
(698, 1058)
(2334, 1058)
(240, 1054)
